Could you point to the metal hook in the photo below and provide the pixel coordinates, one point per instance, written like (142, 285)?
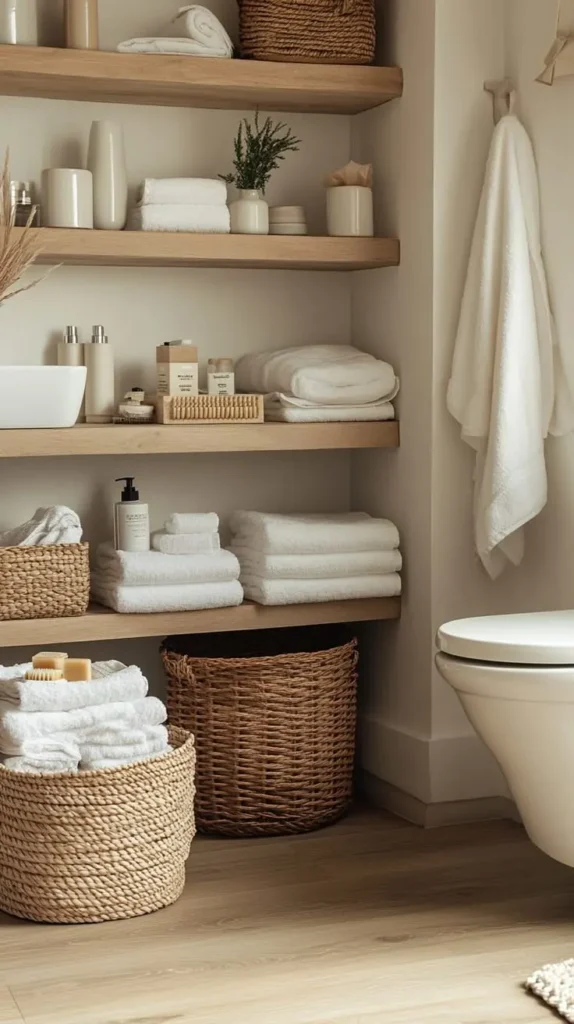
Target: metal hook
(503, 97)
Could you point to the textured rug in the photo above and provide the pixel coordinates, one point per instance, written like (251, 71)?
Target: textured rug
(554, 985)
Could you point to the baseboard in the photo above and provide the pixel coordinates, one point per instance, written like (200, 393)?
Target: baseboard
(385, 796)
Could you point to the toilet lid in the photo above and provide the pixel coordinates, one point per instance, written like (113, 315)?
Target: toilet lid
(540, 638)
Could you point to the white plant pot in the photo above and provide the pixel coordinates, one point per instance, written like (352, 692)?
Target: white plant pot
(350, 211)
(249, 214)
(40, 396)
(107, 162)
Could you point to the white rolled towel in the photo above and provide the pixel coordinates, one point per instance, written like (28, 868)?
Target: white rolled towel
(192, 522)
(312, 534)
(56, 524)
(320, 374)
(316, 567)
(208, 220)
(350, 588)
(182, 192)
(127, 684)
(185, 543)
(19, 727)
(181, 597)
(152, 568)
(205, 30)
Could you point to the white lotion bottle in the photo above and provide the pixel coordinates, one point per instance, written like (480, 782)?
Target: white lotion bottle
(71, 353)
(131, 519)
(100, 387)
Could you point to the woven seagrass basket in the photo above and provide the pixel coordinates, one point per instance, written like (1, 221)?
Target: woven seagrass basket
(275, 733)
(48, 582)
(308, 31)
(97, 846)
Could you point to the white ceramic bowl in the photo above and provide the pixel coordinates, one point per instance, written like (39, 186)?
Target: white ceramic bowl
(40, 396)
(287, 229)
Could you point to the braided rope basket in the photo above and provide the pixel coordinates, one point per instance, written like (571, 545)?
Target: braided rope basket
(308, 31)
(97, 846)
(275, 735)
(48, 582)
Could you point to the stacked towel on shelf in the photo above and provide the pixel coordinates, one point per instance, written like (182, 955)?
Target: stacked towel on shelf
(54, 525)
(316, 383)
(311, 558)
(201, 576)
(195, 32)
(182, 204)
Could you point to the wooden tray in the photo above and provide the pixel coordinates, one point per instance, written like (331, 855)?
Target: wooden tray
(180, 410)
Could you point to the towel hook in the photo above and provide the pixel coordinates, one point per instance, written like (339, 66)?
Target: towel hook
(503, 97)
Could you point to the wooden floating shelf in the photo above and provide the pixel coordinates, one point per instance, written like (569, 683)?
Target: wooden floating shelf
(91, 248)
(179, 81)
(154, 439)
(102, 624)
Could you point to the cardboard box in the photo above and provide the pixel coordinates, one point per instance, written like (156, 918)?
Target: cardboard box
(177, 370)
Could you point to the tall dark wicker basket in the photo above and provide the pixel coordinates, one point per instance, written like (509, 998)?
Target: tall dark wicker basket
(274, 722)
(308, 31)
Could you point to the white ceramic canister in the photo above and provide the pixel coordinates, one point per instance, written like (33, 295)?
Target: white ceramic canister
(67, 198)
(107, 162)
(19, 22)
(350, 211)
(249, 213)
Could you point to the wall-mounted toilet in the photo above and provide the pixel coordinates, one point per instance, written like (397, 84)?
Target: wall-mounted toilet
(514, 675)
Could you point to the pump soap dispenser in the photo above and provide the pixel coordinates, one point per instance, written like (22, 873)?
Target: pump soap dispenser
(131, 519)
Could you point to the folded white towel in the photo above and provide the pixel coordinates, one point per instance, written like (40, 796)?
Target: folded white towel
(151, 568)
(351, 588)
(46, 754)
(110, 762)
(54, 525)
(51, 764)
(154, 740)
(128, 684)
(163, 44)
(209, 220)
(317, 567)
(286, 409)
(183, 597)
(192, 522)
(182, 192)
(321, 374)
(205, 30)
(312, 534)
(185, 543)
(19, 727)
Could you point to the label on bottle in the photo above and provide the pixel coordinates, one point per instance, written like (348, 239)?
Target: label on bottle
(132, 528)
(177, 379)
(221, 383)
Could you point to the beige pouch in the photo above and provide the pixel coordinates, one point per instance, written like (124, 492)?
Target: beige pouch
(560, 60)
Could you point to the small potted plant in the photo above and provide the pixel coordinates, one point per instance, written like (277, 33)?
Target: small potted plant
(259, 149)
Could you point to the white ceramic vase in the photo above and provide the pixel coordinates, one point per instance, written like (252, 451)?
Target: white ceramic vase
(107, 162)
(249, 213)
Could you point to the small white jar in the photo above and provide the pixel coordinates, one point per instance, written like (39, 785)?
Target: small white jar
(249, 213)
(19, 22)
(350, 211)
(67, 198)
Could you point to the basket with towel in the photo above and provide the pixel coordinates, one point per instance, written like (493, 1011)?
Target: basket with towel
(308, 31)
(44, 567)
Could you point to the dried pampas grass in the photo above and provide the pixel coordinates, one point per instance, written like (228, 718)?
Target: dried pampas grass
(18, 252)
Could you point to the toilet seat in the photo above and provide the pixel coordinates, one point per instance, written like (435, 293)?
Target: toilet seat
(537, 638)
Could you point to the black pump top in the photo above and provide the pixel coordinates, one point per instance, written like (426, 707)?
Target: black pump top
(129, 492)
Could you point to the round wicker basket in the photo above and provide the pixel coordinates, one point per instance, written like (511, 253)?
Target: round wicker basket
(49, 582)
(97, 846)
(275, 734)
(308, 31)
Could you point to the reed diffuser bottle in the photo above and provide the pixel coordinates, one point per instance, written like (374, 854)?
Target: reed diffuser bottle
(82, 29)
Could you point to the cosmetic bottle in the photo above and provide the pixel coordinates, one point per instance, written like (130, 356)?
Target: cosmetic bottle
(26, 212)
(131, 519)
(220, 377)
(100, 388)
(71, 353)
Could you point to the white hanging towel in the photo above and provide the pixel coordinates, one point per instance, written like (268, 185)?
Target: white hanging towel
(508, 389)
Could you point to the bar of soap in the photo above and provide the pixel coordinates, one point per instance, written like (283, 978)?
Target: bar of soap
(78, 670)
(45, 675)
(49, 659)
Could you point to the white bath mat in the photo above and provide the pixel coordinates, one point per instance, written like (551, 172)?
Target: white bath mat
(554, 985)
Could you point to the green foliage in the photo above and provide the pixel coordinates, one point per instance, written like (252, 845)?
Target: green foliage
(258, 151)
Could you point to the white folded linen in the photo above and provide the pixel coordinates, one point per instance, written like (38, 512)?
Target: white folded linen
(312, 534)
(54, 525)
(182, 192)
(185, 543)
(153, 740)
(351, 588)
(128, 684)
(317, 567)
(201, 26)
(46, 754)
(152, 568)
(164, 44)
(182, 597)
(192, 522)
(321, 374)
(19, 727)
(209, 220)
(99, 764)
(37, 765)
(286, 409)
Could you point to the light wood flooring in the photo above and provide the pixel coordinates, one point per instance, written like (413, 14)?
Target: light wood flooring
(372, 920)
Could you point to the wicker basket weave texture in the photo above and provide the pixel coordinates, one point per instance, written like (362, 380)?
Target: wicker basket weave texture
(308, 31)
(48, 582)
(275, 738)
(97, 846)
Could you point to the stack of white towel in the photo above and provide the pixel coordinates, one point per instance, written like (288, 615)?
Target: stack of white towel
(320, 383)
(61, 726)
(200, 576)
(308, 558)
(194, 31)
(182, 204)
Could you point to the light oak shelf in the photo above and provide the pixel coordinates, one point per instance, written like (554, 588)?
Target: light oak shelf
(154, 439)
(179, 81)
(102, 624)
(91, 248)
